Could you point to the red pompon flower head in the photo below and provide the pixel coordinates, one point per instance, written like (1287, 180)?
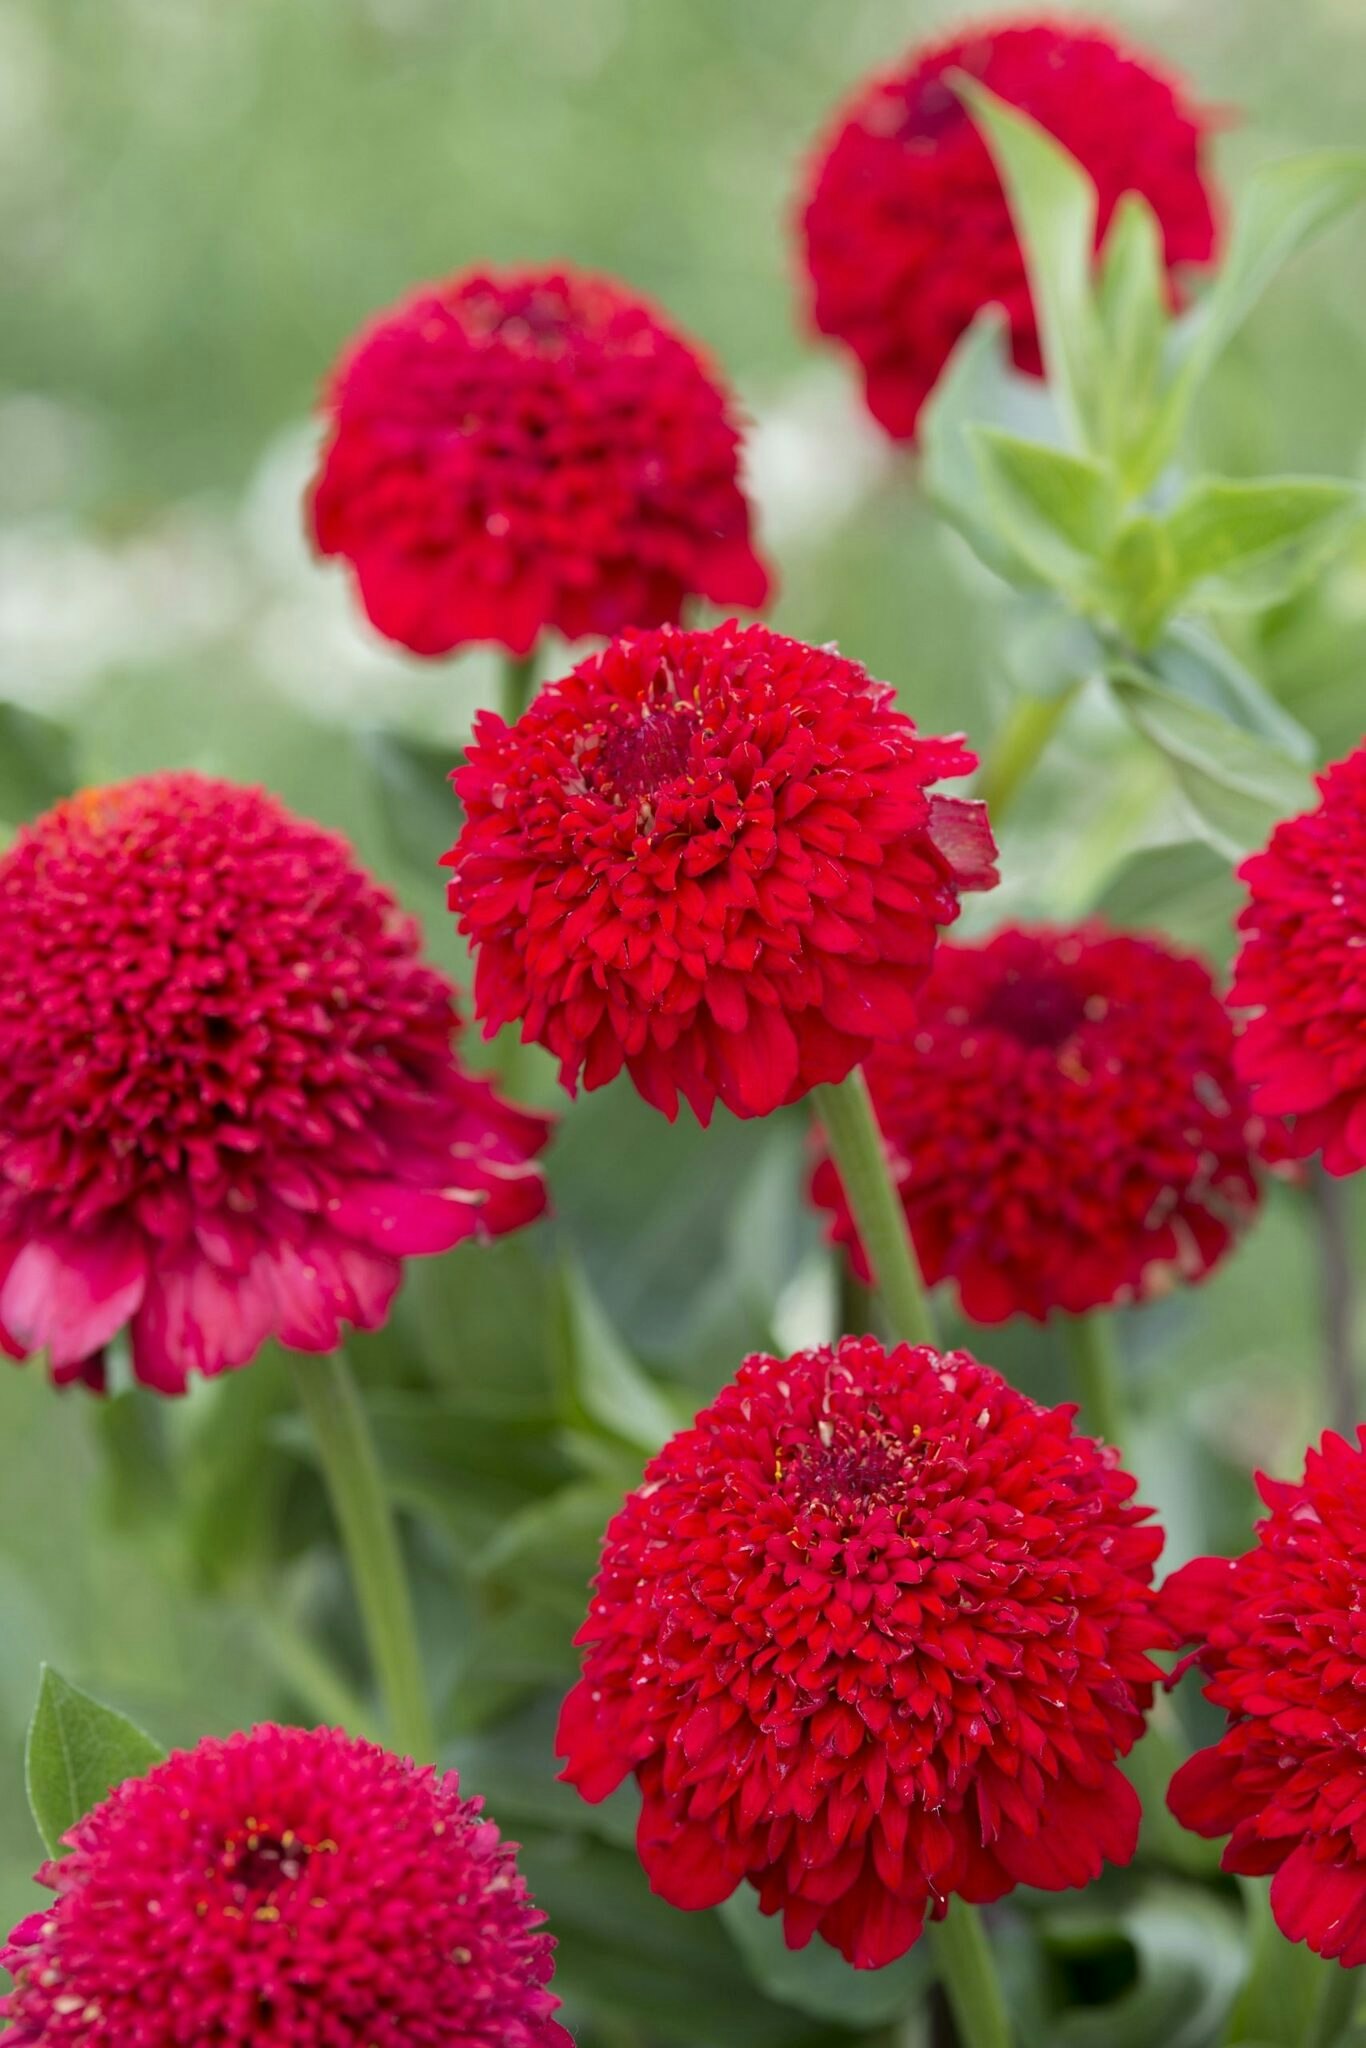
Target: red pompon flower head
(1280, 1641)
(287, 1888)
(1302, 972)
(511, 452)
(229, 1104)
(1064, 1124)
(870, 1634)
(908, 234)
(710, 857)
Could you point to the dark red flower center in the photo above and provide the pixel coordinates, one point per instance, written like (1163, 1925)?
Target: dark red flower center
(259, 1864)
(848, 1475)
(1038, 1009)
(636, 760)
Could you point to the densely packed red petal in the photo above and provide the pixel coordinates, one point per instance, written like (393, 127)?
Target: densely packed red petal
(514, 451)
(284, 1889)
(229, 1104)
(710, 857)
(1302, 972)
(1279, 1636)
(907, 231)
(1064, 1123)
(870, 1634)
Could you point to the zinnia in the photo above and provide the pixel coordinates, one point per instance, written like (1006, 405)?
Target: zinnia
(1281, 1645)
(229, 1105)
(871, 1633)
(710, 857)
(1302, 972)
(511, 452)
(284, 1889)
(1063, 1122)
(908, 235)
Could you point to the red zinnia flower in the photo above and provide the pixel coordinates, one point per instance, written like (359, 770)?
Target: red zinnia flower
(284, 1889)
(1064, 1123)
(228, 1101)
(710, 857)
(532, 449)
(908, 235)
(1303, 970)
(871, 1633)
(1281, 1644)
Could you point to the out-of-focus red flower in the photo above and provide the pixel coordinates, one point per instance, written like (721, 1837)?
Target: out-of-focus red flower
(1063, 1122)
(1280, 1640)
(229, 1104)
(531, 449)
(710, 857)
(1302, 972)
(284, 1889)
(870, 1634)
(908, 235)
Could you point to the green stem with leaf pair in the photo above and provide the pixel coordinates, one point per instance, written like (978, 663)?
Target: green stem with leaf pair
(962, 1952)
(1028, 728)
(332, 1403)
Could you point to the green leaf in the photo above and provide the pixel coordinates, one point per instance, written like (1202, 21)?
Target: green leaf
(417, 805)
(1284, 207)
(37, 764)
(816, 1979)
(1046, 650)
(1235, 786)
(77, 1750)
(1139, 585)
(978, 388)
(1053, 205)
(1193, 662)
(604, 1388)
(1057, 510)
(1132, 306)
(1254, 543)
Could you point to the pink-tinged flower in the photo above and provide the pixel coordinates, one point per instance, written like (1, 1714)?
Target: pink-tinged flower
(908, 234)
(288, 1888)
(1064, 1124)
(871, 1634)
(1302, 972)
(229, 1104)
(510, 452)
(710, 857)
(1281, 1643)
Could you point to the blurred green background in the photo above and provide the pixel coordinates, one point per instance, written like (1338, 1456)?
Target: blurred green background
(197, 205)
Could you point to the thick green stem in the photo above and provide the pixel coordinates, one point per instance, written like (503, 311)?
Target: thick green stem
(1095, 1372)
(519, 680)
(968, 1974)
(1019, 744)
(1332, 2014)
(1335, 1272)
(846, 1112)
(331, 1400)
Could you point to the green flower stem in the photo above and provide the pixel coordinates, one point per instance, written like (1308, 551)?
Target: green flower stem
(968, 1975)
(519, 680)
(331, 1400)
(1341, 1399)
(846, 1113)
(1018, 746)
(1332, 2013)
(1095, 1372)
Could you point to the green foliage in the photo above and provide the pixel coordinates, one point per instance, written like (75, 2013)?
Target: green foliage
(77, 1750)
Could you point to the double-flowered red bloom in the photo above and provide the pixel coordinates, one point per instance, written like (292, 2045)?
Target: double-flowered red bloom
(710, 857)
(908, 235)
(284, 1889)
(1064, 1123)
(511, 452)
(1302, 972)
(229, 1104)
(870, 1634)
(1282, 1644)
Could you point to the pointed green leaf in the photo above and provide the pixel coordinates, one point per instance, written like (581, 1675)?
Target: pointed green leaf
(1132, 307)
(1139, 585)
(1235, 785)
(1058, 510)
(604, 1387)
(37, 763)
(1254, 542)
(77, 1750)
(1053, 205)
(420, 810)
(817, 1980)
(1192, 661)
